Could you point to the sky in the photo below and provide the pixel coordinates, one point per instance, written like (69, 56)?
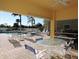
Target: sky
(9, 19)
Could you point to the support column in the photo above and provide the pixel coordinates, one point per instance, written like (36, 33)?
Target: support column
(52, 28)
(53, 25)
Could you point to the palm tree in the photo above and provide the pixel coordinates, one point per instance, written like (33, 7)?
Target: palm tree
(39, 26)
(17, 21)
(31, 20)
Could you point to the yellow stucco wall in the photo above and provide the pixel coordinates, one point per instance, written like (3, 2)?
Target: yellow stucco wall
(67, 13)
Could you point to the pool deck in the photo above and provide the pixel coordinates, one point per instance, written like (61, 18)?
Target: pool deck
(8, 51)
(12, 49)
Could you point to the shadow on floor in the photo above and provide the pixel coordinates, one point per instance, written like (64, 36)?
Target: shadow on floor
(15, 43)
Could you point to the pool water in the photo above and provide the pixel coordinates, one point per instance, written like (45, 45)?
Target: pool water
(51, 42)
(11, 33)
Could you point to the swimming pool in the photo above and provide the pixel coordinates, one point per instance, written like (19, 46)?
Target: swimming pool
(51, 42)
